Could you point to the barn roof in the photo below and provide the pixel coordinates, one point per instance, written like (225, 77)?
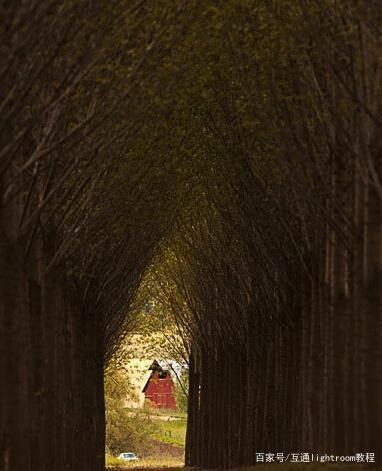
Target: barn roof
(157, 365)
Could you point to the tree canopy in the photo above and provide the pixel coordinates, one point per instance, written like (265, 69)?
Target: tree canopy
(222, 157)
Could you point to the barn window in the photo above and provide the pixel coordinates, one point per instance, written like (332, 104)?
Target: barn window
(162, 374)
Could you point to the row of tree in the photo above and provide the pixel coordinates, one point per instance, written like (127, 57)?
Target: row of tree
(275, 270)
(231, 150)
(83, 201)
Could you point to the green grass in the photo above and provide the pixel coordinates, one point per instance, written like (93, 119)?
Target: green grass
(150, 463)
(167, 412)
(172, 432)
(113, 461)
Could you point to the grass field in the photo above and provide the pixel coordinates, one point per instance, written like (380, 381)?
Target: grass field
(172, 432)
(168, 413)
(149, 463)
(165, 443)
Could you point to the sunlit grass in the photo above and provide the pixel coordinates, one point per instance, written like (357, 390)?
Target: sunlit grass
(165, 462)
(167, 412)
(112, 461)
(172, 432)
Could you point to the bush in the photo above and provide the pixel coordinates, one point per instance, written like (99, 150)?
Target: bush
(125, 430)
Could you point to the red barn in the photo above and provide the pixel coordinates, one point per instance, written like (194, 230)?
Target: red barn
(159, 388)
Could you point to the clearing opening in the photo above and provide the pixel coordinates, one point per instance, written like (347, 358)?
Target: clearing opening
(146, 382)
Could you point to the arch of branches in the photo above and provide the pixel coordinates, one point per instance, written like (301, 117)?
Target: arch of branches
(230, 153)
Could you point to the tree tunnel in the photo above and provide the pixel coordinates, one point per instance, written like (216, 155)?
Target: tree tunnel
(230, 153)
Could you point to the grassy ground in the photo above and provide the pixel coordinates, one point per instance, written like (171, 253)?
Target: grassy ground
(149, 463)
(163, 445)
(172, 432)
(168, 413)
